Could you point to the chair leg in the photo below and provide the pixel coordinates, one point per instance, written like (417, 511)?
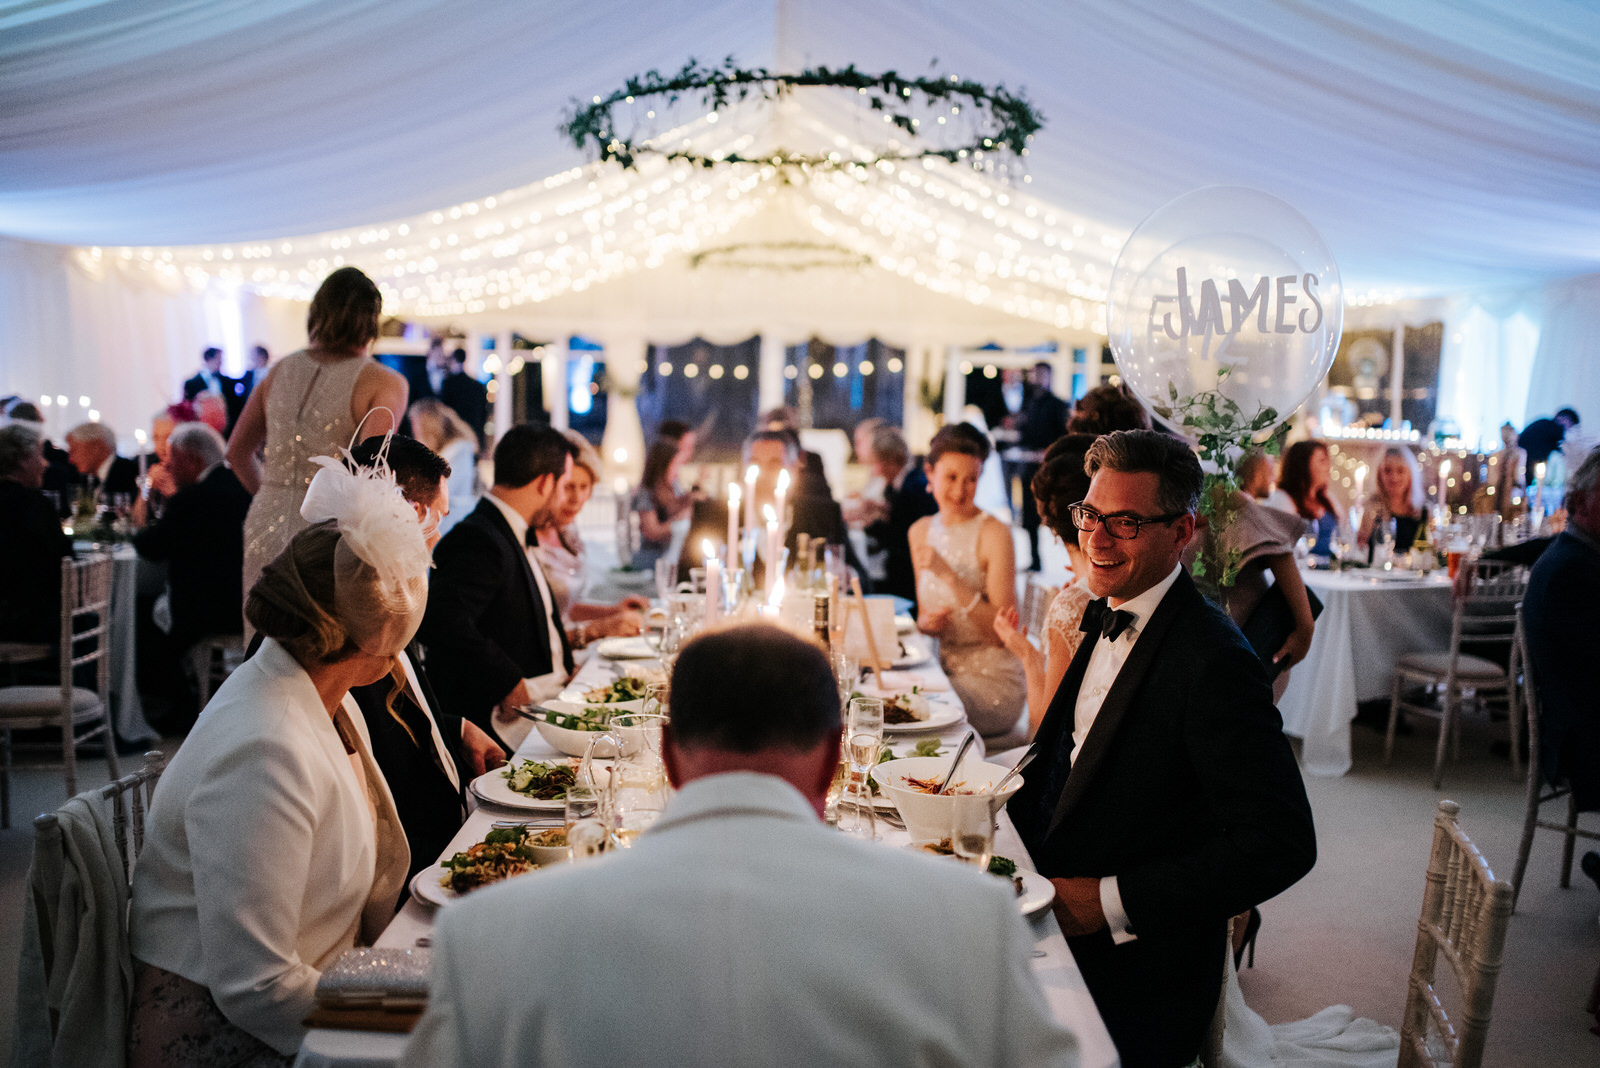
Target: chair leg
(5, 780)
(1514, 724)
(1394, 716)
(1571, 840)
(1446, 725)
(1530, 825)
(69, 757)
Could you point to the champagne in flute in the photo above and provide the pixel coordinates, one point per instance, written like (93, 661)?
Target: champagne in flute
(972, 829)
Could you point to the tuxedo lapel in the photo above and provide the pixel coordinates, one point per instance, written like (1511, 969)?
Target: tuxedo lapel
(1119, 698)
(491, 515)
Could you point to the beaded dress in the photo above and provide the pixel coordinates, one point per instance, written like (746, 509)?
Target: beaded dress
(308, 414)
(984, 674)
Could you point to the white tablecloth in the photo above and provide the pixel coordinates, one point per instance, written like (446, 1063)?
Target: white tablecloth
(1369, 620)
(1053, 965)
(123, 659)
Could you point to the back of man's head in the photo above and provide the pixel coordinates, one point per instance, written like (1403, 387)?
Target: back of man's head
(1568, 417)
(752, 689)
(530, 451)
(889, 447)
(1583, 495)
(199, 441)
(458, 359)
(417, 468)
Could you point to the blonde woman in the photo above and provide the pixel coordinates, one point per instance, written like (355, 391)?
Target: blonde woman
(1398, 498)
(437, 426)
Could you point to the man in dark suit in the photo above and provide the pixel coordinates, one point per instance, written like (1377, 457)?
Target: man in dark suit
(1165, 798)
(209, 379)
(493, 638)
(1042, 420)
(465, 394)
(907, 498)
(31, 542)
(1542, 437)
(426, 752)
(1563, 629)
(812, 510)
(92, 451)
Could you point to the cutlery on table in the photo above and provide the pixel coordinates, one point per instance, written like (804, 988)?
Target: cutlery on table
(966, 743)
(1016, 769)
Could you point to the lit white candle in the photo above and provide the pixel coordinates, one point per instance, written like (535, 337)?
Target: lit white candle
(750, 474)
(773, 548)
(1444, 473)
(1538, 493)
(733, 520)
(782, 492)
(1361, 483)
(713, 582)
(144, 460)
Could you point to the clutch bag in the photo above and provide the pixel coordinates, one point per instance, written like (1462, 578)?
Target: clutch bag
(1270, 625)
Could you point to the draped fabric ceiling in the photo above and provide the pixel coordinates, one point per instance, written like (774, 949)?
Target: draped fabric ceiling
(209, 161)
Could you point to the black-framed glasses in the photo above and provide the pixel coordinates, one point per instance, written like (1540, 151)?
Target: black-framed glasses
(1121, 527)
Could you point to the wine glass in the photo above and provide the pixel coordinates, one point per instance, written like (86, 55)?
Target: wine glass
(666, 578)
(863, 743)
(972, 828)
(846, 672)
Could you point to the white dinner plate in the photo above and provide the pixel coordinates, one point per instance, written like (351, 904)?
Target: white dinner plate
(904, 625)
(1037, 892)
(625, 649)
(426, 888)
(940, 716)
(492, 787)
(913, 651)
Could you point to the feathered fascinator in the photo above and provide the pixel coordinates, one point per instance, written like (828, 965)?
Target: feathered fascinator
(381, 563)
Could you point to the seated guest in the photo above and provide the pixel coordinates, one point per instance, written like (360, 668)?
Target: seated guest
(730, 904)
(811, 478)
(31, 542)
(866, 507)
(566, 565)
(1303, 489)
(1166, 798)
(1397, 500)
(158, 486)
(1059, 484)
(201, 536)
(92, 451)
(1563, 629)
(493, 637)
(966, 572)
(658, 503)
(426, 754)
(1107, 408)
(272, 844)
(906, 499)
(1255, 475)
(812, 513)
(446, 433)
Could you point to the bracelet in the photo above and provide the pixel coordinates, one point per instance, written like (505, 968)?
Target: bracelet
(970, 605)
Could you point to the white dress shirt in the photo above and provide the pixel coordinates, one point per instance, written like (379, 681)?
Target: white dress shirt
(1105, 664)
(545, 686)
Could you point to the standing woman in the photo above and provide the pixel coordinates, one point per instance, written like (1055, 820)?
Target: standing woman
(1398, 497)
(658, 502)
(437, 426)
(310, 405)
(1303, 490)
(966, 572)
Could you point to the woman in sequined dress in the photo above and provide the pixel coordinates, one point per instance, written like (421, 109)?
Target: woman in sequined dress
(310, 404)
(966, 572)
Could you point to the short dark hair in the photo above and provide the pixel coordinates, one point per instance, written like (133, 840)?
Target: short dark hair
(964, 439)
(1150, 452)
(459, 357)
(417, 468)
(749, 688)
(1570, 414)
(673, 430)
(787, 438)
(25, 410)
(212, 353)
(530, 451)
(345, 311)
(1061, 482)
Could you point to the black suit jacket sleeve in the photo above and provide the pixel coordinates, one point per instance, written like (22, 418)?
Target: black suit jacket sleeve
(469, 572)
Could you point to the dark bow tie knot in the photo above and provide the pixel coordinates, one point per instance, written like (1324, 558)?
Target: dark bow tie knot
(1100, 618)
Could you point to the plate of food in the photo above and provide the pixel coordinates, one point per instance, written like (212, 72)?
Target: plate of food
(504, 853)
(913, 651)
(1034, 892)
(904, 625)
(636, 648)
(906, 713)
(539, 785)
(624, 693)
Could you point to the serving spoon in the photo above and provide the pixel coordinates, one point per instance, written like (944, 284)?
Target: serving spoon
(1016, 769)
(966, 743)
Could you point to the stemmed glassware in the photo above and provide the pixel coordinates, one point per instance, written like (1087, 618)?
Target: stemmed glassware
(586, 829)
(846, 672)
(972, 828)
(863, 741)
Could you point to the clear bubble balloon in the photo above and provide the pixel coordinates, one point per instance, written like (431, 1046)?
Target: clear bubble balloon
(1226, 288)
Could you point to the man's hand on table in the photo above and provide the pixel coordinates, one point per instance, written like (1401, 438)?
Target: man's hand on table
(519, 697)
(482, 752)
(1077, 906)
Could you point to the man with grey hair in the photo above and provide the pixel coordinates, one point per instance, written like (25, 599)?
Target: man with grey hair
(906, 499)
(1166, 798)
(31, 542)
(201, 536)
(92, 451)
(1563, 629)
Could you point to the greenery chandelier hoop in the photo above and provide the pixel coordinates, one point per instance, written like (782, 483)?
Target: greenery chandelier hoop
(779, 256)
(998, 123)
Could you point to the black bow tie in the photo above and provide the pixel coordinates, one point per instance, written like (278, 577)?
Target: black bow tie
(1098, 617)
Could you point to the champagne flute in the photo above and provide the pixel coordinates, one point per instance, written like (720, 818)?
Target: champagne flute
(846, 671)
(972, 828)
(863, 743)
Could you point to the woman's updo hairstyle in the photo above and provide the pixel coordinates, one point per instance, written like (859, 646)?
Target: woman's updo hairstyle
(1061, 482)
(293, 600)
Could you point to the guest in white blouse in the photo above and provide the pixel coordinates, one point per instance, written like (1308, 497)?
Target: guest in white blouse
(273, 844)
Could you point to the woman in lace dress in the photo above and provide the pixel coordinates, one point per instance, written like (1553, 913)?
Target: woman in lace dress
(966, 572)
(310, 404)
(1059, 483)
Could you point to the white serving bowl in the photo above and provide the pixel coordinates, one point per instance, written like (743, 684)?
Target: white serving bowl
(570, 742)
(547, 855)
(929, 817)
(573, 697)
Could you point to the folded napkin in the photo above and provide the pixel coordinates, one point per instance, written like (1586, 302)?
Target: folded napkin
(902, 681)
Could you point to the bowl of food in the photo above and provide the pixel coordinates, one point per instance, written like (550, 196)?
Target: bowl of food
(549, 845)
(622, 694)
(910, 783)
(570, 728)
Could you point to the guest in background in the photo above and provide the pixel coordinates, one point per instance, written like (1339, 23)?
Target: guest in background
(1107, 408)
(867, 506)
(566, 565)
(1509, 474)
(159, 486)
(31, 542)
(658, 503)
(426, 753)
(312, 403)
(1542, 437)
(256, 372)
(446, 433)
(994, 491)
(1059, 484)
(465, 395)
(1042, 420)
(1303, 490)
(1397, 500)
(730, 903)
(1255, 475)
(811, 478)
(811, 511)
(272, 844)
(92, 451)
(493, 637)
(966, 572)
(58, 473)
(212, 410)
(906, 500)
(209, 379)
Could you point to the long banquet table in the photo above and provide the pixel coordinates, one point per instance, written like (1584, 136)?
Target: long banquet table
(1369, 620)
(1053, 964)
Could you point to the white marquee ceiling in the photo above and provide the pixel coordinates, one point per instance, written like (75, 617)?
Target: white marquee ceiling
(1437, 145)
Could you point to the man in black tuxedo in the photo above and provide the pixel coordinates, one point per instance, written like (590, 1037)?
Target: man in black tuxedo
(1165, 798)
(31, 542)
(209, 379)
(1043, 419)
(425, 751)
(907, 498)
(465, 394)
(493, 637)
(92, 451)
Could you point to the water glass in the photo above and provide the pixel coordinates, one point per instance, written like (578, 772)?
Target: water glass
(972, 828)
(657, 699)
(586, 831)
(666, 578)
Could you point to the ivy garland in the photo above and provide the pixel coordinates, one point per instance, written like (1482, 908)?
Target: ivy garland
(1005, 122)
(821, 254)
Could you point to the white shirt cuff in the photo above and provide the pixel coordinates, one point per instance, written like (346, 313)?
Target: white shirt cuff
(545, 687)
(1116, 915)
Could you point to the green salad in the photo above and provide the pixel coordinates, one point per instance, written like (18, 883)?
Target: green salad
(590, 719)
(541, 780)
(623, 688)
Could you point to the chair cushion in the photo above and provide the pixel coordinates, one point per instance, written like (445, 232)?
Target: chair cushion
(1467, 667)
(44, 702)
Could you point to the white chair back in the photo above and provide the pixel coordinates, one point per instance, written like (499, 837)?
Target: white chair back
(1036, 599)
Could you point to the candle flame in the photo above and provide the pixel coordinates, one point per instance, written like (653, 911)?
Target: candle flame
(772, 517)
(734, 493)
(707, 550)
(1444, 469)
(750, 474)
(783, 482)
(620, 456)
(620, 486)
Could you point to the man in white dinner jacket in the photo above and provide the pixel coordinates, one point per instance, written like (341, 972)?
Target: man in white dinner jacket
(740, 930)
